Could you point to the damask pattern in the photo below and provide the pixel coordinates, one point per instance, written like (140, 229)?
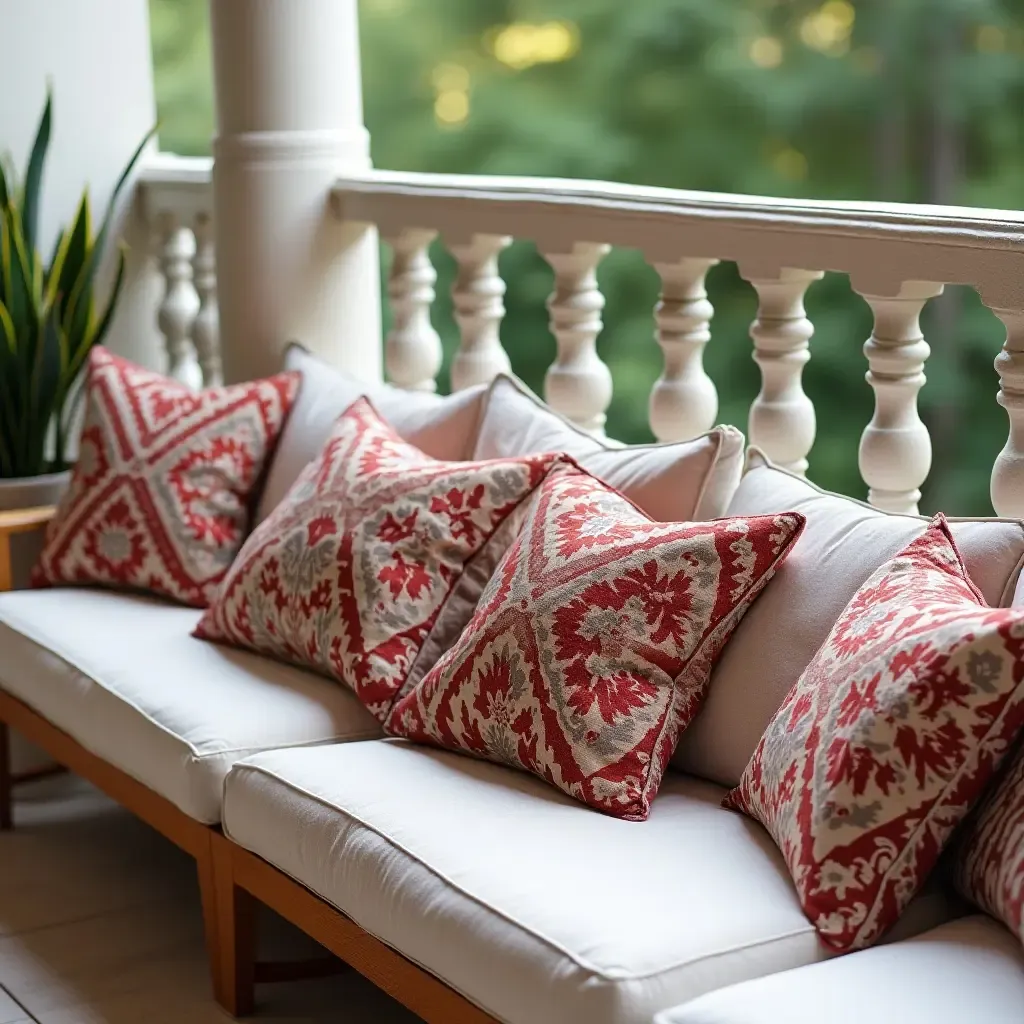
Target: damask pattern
(887, 739)
(377, 552)
(989, 861)
(160, 496)
(592, 644)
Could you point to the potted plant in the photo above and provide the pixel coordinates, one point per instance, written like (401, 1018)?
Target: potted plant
(49, 320)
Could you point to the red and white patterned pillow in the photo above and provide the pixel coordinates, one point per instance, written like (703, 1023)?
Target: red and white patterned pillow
(371, 565)
(887, 739)
(989, 858)
(592, 644)
(160, 496)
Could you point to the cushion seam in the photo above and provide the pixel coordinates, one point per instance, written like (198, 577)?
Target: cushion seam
(605, 974)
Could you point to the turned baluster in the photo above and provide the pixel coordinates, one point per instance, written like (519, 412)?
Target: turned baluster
(180, 303)
(1008, 471)
(684, 400)
(782, 421)
(476, 295)
(412, 349)
(206, 327)
(578, 384)
(896, 449)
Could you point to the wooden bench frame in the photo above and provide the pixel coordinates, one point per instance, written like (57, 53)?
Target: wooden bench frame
(231, 879)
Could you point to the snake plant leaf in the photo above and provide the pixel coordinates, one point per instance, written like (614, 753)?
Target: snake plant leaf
(66, 278)
(80, 311)
(98, 329)
(34, 176)
(5, 188)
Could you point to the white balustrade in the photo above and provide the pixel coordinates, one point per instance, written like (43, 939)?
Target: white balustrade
(180, 304)
(578, 384)
(896, 449)
(684, 400)
(1008, 471)
(206, 326)
(782, 421)
(477, 297)
(412, 349)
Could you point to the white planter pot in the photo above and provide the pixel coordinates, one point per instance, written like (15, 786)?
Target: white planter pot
(29, 492)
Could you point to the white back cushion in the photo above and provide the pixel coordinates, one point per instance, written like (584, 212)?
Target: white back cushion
(443, 427)
(843, 543)
(676, 482)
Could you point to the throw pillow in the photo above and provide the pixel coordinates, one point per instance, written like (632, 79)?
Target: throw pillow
(674, 482)
(160, 496)
(592, 644)
(372, 564)
(444, 427)
(989, 858)
(844, 543)
(887, 739)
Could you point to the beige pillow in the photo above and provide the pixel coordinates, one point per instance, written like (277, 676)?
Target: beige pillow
(443, 427)
(843, 543)
(676, 482)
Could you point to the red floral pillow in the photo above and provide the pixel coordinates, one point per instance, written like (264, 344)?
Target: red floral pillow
(372, 564)
(160, 496)
(592, 644)
(989, 861)
(887, 738)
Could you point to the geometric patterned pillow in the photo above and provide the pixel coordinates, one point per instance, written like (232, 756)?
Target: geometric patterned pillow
(160, 496)
(887, 739)
(591, 647)
(372, 563)
(989, 859)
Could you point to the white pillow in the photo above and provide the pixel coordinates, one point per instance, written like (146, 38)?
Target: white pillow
(443, 427)
(675, 482)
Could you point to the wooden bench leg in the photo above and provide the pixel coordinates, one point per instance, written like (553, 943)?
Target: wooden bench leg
(236, 936)
(6, 780)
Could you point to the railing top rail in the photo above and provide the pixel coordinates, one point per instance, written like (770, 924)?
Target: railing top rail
(878, 244)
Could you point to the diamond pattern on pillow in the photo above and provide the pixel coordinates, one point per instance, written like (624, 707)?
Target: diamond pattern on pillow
(373, 562)
(160, 495)
(592, 644)
(887, 739)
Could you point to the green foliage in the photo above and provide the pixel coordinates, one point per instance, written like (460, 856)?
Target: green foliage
(908, 100)
(49, 319)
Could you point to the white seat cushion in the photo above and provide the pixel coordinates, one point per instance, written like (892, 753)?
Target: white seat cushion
(121, 674)
(534, 907)
(966, 971)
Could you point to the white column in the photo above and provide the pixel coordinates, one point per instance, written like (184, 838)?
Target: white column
(477, 297)
(782, 420)
(578, 384)
(412, 351)
(896, 448)
(1008, 471)
(684, 401)
(289, 120)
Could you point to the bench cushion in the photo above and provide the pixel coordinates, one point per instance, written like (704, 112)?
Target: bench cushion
(532, 906)
(963, 971)
(121, 674)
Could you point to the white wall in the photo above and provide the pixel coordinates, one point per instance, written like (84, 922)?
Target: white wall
(97, 54)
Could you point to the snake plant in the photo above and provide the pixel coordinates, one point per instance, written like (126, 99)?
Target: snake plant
(49, 314)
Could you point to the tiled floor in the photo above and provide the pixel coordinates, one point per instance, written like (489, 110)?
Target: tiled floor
(100, 924)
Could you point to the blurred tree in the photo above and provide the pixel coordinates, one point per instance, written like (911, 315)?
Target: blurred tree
(909, 101)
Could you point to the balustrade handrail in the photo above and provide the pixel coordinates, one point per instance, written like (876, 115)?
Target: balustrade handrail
(898, 257)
